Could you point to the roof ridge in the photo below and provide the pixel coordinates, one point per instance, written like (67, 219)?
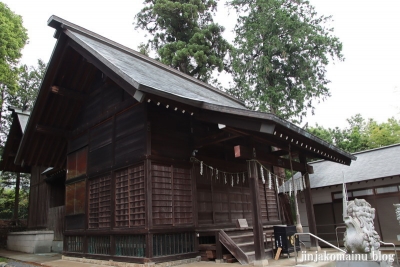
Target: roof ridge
(377, 148)
(59, 23)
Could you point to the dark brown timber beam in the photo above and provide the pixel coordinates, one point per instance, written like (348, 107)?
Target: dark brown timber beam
(270, 142)
(51, 130)
(270, 159)
(61, 91)
(237, 122)
(214, 138)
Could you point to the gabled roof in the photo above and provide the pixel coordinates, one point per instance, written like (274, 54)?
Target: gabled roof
(371, 164)
(79, 52)
(17, 129)
(143, 73)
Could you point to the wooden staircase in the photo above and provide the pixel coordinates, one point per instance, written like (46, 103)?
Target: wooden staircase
(240, 243)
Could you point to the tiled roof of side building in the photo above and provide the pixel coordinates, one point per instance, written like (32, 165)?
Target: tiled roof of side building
(370, 164)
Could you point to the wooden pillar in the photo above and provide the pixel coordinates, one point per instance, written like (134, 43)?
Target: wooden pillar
(312, 226)
(16, 199)
(256, 212)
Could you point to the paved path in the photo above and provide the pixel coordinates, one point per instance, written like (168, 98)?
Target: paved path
(20, 259)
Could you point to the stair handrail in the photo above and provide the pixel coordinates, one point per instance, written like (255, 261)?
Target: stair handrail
(316, 237)
(238, 254)
(337, 238)
(395, 251)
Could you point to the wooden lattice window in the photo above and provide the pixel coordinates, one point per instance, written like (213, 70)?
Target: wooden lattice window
(171, 244)
(74, 243)
(77, 163)
(130, 245)
(99, 245)
(182, 186)
(130, 197)
(100, 202)
(162, 194)
(75, 198)
(172, 195)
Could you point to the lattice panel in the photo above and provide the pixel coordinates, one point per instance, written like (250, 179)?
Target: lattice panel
(99, 245)
(171, 244)
(162, 194)
(122, 198)
(130, 245)
(130, 197)
(100, 202)
(74, 243)
(182, 188)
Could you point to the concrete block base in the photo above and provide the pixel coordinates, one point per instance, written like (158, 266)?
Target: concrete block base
(30, 241)
(57, 246)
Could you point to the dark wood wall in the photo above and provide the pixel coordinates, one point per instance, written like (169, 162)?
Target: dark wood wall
(38, 199)
(221, 203)
(104, 179)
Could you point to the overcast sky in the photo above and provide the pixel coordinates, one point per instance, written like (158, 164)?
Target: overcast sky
(367, 82)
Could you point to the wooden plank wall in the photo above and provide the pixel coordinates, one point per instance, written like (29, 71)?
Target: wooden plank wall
(172, 195)
(38, 199)
(57, 222)
(170, 133)
(218, 201)
(111, 126)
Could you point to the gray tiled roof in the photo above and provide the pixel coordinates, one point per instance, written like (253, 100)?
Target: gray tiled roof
(138, 71)
(370, 164)
(141, 74)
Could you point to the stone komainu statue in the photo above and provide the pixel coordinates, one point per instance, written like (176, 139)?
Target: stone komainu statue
(360, 235)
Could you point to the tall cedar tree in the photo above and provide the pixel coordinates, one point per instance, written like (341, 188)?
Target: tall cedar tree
(185, 36)
(13, 37)
(283, 48)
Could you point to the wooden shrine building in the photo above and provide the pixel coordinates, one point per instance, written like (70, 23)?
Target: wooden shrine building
(154, 162)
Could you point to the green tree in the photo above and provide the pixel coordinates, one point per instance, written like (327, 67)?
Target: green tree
(29, 82)
(13, 37)
(28, 86)
(386, 133)
(185, 36)
(360, 134)
(282, 50)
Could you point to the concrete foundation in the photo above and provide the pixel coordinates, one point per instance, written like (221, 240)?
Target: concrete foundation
(57, 246)
(30, 241)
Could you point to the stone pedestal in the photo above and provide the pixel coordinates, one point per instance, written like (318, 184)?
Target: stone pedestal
(30, 241)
